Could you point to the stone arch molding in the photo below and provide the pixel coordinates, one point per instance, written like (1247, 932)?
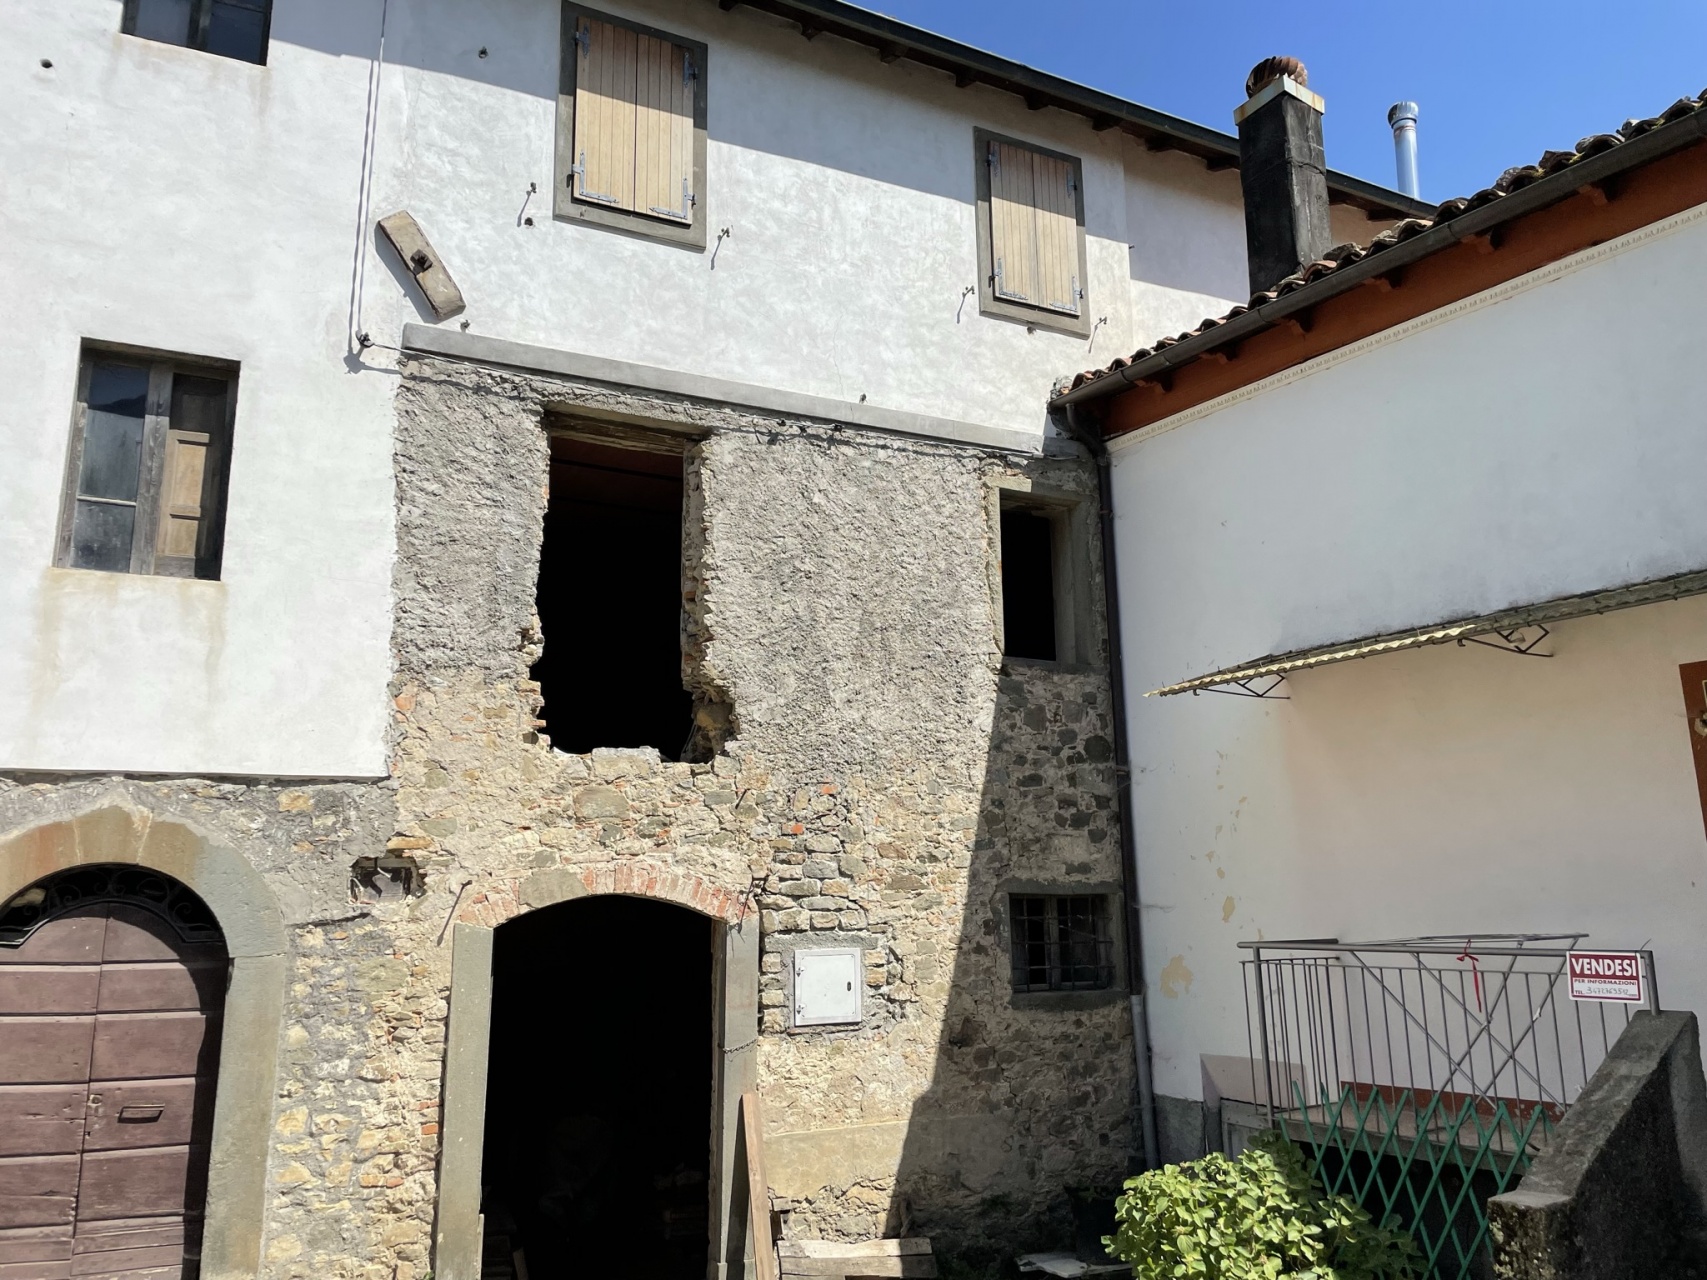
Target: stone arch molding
(635, 879)
(254, 1004)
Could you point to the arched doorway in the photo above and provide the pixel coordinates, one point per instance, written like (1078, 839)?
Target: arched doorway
(598, 1136)
(112, 988)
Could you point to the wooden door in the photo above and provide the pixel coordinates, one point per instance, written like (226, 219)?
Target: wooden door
(109, 1042)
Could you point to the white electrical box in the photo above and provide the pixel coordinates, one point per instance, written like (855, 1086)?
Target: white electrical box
(828, 986)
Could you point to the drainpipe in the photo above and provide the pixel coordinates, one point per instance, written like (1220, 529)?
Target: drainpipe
(1092, 440)
(1403, 118)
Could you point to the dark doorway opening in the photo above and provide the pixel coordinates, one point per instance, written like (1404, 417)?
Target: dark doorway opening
(598, 1108)
(610, 599)
(1028, 584)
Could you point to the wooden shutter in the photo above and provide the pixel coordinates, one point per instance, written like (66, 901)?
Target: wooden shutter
(663, 138)
(1013, 228)
(189, 488)
(605, 112)
(1057, 220)
(634, 121)
(1034, 228)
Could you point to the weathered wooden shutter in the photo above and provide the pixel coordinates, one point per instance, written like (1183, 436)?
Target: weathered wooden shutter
(189, 488)
(1057, 218)
(605, 112)
(634, 121)
(663, 134)
(1013, 227)
(1034, 228)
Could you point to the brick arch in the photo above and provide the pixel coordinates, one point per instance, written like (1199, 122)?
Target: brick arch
(627, 878)
(256, 941)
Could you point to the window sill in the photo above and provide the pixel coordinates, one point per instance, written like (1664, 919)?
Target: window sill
(638, 225)
(1046, 664)
(1066, 1001)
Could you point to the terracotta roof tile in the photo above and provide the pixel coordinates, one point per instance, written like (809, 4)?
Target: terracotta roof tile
(1513, 179)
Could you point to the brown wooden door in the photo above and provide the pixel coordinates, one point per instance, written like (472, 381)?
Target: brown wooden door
(109, 1043)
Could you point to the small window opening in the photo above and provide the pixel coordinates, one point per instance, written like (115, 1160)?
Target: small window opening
(1061, 943)
(1028, 584)
(150, 451)
(227, 28)
(610, 599)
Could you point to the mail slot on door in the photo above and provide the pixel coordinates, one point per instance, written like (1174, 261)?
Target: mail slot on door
(141, 1112)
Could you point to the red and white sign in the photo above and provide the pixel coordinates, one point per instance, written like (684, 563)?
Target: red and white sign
(1606, 975)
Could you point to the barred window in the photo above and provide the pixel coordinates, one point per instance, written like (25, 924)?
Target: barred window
(1061, 943)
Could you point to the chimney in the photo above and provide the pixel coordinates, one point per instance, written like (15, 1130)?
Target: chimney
(1403, 118)
(1283, 172)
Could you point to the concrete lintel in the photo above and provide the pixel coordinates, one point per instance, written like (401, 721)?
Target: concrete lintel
(427, 340)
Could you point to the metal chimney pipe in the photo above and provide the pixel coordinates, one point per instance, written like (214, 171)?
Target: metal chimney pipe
(1403, 118)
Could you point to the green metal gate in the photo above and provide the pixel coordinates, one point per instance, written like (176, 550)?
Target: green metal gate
(1421, 1076)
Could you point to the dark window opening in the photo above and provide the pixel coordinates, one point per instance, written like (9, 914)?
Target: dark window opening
(1061, 943)
(610, 600)
(597, 1155)
(1028, 584)
(228, 28)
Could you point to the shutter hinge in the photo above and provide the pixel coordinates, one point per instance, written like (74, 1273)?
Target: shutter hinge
(690, 73)
(584, 37)
(1072, 183)
(685, 213)
(1001, 288)
(993, 157)
(580, 171)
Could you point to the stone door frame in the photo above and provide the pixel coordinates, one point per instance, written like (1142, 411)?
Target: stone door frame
(256, 941)
(456, 1236)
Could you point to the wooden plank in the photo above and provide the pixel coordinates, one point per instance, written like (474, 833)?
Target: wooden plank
(912, 1266)
(41, 1119)
(852, 1249)
(758, 1188)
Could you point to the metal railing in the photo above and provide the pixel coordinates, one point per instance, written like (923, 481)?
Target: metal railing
(1422, 1075)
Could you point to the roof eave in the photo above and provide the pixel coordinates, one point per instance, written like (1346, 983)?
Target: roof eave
(1551, 189)
(893, 39)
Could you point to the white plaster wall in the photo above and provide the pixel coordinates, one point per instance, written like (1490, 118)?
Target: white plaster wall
(1546, 444)
(173, 200)
(1441, 791)
(178, 201)
(849, 189)
(1492, 455)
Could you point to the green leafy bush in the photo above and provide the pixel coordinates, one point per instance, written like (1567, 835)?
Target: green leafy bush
(1260, 1217)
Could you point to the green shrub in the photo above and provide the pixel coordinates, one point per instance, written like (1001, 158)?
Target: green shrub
(1260, 1217)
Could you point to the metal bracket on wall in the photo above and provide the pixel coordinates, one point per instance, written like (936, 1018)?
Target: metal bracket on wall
(1518, 640)
(1255, 687)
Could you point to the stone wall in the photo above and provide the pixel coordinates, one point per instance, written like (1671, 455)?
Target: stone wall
(875, 776)
(882, 780)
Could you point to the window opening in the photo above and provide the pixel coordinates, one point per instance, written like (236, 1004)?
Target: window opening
(149, 456)
(227, 28)
(599, 1096)
(1061, 943)
(1028, 584)
(610, 599)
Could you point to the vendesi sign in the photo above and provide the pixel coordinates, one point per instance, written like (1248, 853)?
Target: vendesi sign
(1606, 975)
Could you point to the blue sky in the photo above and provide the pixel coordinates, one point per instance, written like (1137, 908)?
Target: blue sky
(1498, 82)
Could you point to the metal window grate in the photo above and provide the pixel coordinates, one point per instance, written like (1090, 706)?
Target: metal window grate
(1061, 943)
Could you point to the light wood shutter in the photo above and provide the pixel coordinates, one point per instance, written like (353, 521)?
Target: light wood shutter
(634, 121)
(189, 493)
(663, 139)
(604, 113)
(1034, 228)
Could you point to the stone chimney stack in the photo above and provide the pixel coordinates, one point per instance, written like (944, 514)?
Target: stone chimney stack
(1283, 171)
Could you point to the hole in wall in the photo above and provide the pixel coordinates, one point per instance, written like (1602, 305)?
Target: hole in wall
(610, 599)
